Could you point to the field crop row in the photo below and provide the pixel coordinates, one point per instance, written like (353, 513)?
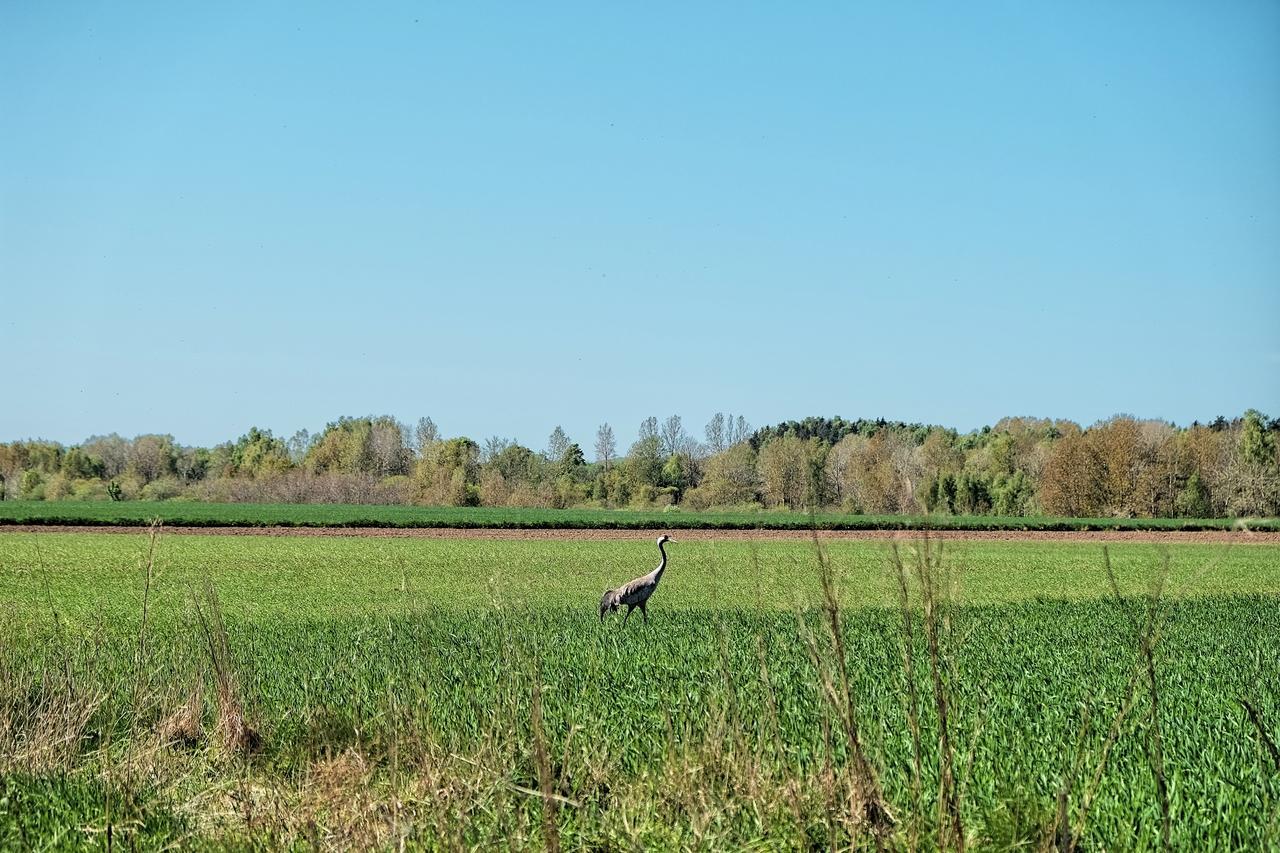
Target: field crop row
(188, 514)
(457, 694)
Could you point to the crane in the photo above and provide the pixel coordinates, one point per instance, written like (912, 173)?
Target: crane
(635, 593)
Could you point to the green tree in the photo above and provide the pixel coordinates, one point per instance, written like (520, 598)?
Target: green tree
(730, 478)
(572, 461)
(258, 453)
(1193, 501)
(557, 444)
(30, 484)
(79, 465)
(644, 463)
(973, 494)
(516, 464)
(1257, 447)
(1012, 494)
(675, 475)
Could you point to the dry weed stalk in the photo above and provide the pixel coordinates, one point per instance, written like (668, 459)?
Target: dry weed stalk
(140, 659)
(912, 696)
(236, 734)
(937, 622)
(868, 810)
(546, 784)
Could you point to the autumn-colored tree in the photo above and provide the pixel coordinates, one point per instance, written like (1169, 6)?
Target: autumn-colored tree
(151, 457)
(112, 450)
(791, 472)
(449, 473)
(938, 454)
(1072, 483)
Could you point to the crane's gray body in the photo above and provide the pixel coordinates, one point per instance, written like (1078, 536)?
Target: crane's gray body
(635, 593)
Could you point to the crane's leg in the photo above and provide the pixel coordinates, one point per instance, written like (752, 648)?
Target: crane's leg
(630, 607)
(644, 611)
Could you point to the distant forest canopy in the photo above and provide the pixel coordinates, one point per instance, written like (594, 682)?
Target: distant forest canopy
(1119, 467)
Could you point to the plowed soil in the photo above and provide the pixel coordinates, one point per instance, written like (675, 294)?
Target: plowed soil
(1172, 536)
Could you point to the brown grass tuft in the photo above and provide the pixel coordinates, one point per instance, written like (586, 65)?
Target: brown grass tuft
(50, 736)
(185, 725)
(236, 734)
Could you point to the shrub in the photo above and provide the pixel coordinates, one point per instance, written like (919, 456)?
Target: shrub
(58, 487)
(31, 485)
(162, 489)
(88, 490)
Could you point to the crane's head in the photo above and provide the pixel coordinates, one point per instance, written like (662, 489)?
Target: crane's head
(664, 538)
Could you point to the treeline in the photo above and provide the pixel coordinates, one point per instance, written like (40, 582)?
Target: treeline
(1120, 467)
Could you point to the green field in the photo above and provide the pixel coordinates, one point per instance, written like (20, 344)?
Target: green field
(189, 514)
(463, 693)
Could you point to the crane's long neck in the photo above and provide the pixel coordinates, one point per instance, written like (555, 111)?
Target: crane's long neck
(662, 566)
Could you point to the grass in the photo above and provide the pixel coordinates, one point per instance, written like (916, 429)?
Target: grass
(189, 514)
(452, 693)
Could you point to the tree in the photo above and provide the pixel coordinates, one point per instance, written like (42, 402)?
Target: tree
(493, 447)
(389, 452)
(516, 464)
(425, 434)
(557, 444)
(572, 459)
(343, 447)
(877, 474)
(461, 453)
(606, 447)
(1116, 445)
(298, 445)
(191, 464)
(258, 453)
(79, 465)
(1256, 446)
(151, 457)
(671, 439)
(644, 464)
(938, 454)
(715, 431)
(730, 478)
(30, 483)
(1193, 500)
(648, 429)
(675, 474)
(1012, 495)
(111, 449)
(791, 472)
(1072, 484)
(973, 495)
(449, 473)
(1252, 478)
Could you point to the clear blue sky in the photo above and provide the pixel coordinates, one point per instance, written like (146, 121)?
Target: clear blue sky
(513, 216)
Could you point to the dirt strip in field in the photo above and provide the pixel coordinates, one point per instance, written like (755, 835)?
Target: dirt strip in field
(597, 535)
